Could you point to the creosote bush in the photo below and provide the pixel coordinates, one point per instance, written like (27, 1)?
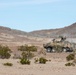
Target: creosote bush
(8, 64)
(27, 48)
(24, 61)
(36, 60)
(42, 60)
(69, 64)
(70, 57)
(27, 53)
(5, 52)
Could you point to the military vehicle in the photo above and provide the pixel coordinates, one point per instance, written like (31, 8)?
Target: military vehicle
(60, 45)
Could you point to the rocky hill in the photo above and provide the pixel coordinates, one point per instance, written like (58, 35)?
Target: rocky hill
(14, 37)
(69, 31)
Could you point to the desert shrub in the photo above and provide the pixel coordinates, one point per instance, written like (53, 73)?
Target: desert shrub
(8, 64)
(5, 52)
(36, 60)
(24, 61)
(30, 55)
(33, 48)
(27, 48)
(24, 55)
(70, 57)
(69, 64)
(27, 55)
(42, 60)
(23, 48)
(27, 51)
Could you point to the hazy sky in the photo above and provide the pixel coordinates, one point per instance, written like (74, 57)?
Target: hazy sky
(29, 15)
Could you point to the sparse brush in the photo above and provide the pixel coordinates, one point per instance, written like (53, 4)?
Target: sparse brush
(8, 64)
(70, 57)
(24, 61)
(69, 64)
(27, 48)
(5, 52)
(42, 60)
(36, 60)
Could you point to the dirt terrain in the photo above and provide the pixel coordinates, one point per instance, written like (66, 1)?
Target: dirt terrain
(14, 38)
(54, 67)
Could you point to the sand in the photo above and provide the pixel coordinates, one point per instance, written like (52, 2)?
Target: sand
(54, 67)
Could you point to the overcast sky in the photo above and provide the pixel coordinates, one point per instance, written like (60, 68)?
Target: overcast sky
(30, 15)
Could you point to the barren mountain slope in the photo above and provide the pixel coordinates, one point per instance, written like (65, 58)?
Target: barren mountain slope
(69, 31)
(14, 37)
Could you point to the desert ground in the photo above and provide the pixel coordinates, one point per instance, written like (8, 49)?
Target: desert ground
(54, 67)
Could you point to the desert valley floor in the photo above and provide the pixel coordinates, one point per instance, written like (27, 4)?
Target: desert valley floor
(54, 67)
(15, 38)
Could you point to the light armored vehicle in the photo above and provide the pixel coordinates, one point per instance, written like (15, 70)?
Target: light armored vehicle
(59, 45)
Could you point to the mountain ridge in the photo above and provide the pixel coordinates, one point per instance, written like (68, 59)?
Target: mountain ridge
(68, 31)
